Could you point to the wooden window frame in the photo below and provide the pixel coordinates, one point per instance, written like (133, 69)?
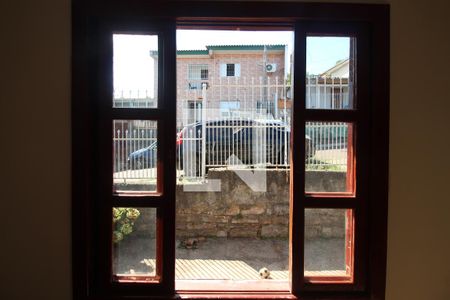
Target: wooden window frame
(92, 112)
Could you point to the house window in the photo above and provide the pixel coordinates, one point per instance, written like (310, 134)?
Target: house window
(204, 74)
(194, 111)
(198, 72)
(118, 183)
(197, 75)
(229, 108)
(230, 70)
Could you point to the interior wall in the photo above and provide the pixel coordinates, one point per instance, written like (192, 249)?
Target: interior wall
(35, 135)
(419, 203)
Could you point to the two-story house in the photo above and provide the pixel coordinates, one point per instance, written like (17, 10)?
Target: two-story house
(230, 81)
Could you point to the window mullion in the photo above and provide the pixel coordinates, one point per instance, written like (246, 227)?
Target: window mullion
(363, 148)
(104, 157)
(331, 202)
(137, 113)
(166, 216)
(298, 163)
(328, 115)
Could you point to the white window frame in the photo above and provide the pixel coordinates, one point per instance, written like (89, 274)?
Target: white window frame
(237, 70)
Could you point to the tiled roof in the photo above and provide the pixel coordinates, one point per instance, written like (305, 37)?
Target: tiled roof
(245, 47)
(192, 52)
(226, 47)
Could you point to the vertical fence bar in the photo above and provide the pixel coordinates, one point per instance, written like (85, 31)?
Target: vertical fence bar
(254, 107)
(203, 136)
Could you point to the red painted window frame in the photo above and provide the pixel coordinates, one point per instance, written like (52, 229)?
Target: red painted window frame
(91, 112)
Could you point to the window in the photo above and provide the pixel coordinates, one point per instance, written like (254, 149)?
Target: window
(108, 206)
(230, 70)
(228, 107)
(197, 75)
(194, 111)
(204, 74)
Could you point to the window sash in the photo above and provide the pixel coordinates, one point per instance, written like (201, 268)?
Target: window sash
(357, 173)
(163, 198)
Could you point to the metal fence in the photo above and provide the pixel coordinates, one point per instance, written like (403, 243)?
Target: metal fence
(232, 142)
(134, 99)
(328, 93)
(330, 141)
(130, 137)
(253, 133)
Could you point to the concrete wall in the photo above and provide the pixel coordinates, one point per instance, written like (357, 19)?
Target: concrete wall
(35, 154)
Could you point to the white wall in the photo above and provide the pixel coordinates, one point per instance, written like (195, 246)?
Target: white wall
(35, 153)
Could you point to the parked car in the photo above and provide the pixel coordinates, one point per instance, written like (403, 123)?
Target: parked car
(144, 158)
(251, 141)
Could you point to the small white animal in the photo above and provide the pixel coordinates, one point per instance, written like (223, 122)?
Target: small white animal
(264, 273)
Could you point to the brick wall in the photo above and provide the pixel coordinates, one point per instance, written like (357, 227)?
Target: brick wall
(248, 92)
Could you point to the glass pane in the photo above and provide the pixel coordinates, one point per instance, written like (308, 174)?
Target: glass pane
(233, 163)
(328, 148)
(329, 73)
(134, 241)
(328, 242)
(135, 155)
(135, 71)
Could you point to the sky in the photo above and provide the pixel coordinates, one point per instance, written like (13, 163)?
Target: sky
(133, 66)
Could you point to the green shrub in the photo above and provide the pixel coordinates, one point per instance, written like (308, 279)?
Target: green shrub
(123, 222)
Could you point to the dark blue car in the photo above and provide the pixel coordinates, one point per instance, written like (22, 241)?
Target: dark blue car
(144, 158)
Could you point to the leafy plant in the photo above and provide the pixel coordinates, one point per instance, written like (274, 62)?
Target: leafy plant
(123, 222)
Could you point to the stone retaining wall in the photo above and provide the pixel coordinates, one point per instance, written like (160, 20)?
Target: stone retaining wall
(237, 211)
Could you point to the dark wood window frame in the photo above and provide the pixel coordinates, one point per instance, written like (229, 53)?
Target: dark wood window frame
(92, 116)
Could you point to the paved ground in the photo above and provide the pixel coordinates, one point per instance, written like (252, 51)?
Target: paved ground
(231, 259)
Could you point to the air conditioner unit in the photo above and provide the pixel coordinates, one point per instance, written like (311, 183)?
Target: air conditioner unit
(271, 68)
